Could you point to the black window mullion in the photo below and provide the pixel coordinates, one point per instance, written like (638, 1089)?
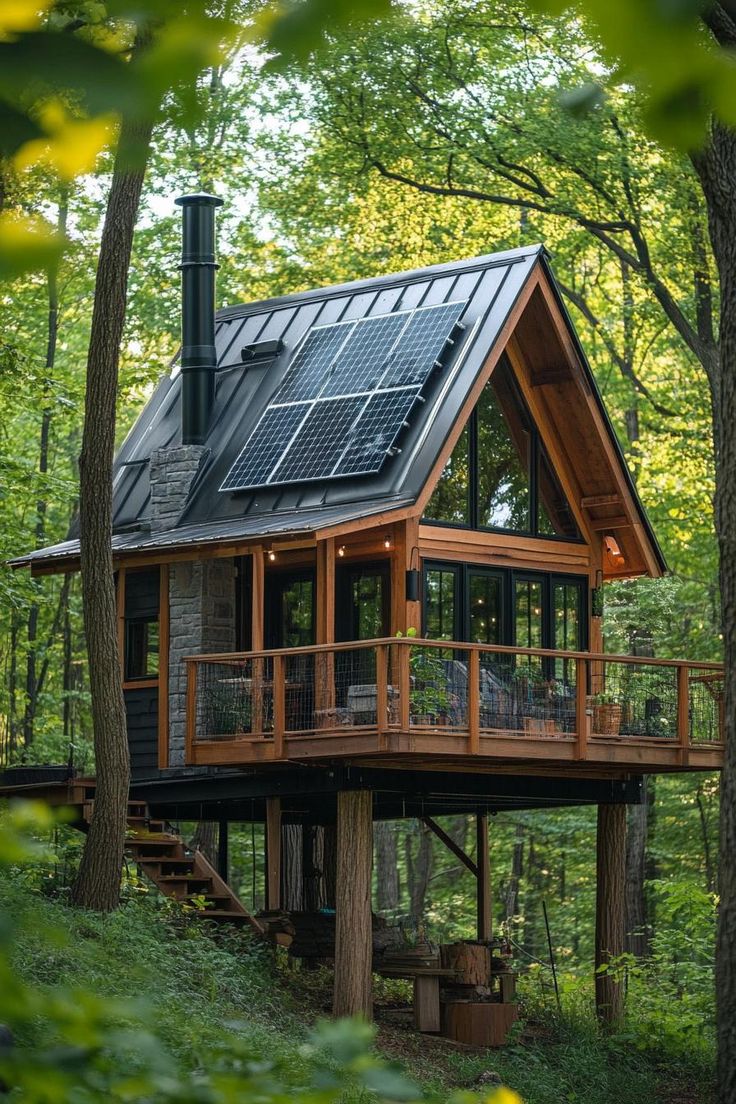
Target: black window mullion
(534, 483)
(473, 469)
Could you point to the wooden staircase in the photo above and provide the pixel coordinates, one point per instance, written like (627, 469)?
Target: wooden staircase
(180, 872)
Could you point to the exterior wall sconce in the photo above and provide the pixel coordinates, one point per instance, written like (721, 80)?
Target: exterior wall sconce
(413, 585)
(613, 550)
(341, 551)
(271, 555)
(387, 541)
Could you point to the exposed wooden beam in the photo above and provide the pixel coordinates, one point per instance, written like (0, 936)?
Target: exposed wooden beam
(619, 522)
(589, 501)
(451, 845)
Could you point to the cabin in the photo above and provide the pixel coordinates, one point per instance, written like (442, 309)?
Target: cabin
(361, 537)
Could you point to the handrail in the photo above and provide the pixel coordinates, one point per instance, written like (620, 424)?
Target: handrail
(237, 658)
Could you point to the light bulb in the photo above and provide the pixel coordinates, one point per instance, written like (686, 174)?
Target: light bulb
(341, 550)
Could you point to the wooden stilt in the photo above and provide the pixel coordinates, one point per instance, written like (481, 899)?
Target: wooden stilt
(353, 995)
(273, 853)
(609, 914)
(484, 879)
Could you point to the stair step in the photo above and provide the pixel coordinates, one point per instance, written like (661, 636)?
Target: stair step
(208, 896)
(221, 914)
(167, 864)
(183, 879)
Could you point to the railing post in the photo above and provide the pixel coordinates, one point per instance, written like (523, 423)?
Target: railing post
(474, 702)
(191, 712)
(404, 686)
(279, 706)
(582, 719)
(381, 688)
(683, 713)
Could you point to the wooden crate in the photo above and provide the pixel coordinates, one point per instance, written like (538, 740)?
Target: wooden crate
(478, 1023)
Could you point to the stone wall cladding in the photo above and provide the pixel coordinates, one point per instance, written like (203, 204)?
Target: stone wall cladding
(201, 593)
(171, 473)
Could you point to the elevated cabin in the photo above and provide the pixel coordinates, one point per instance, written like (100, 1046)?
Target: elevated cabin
(361, 543)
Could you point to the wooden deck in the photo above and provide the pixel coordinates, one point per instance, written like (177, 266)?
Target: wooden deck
(445, 704)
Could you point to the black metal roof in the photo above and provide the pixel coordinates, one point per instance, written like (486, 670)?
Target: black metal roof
(490, 284)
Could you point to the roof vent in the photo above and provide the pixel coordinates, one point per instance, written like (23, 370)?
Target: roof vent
(261, 350)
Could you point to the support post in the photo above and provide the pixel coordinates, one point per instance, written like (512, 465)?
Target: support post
(683, 713)
(223, 858)
(273, 854)
(609, 912)
(484, 880)
(353, 995)
(582, 718)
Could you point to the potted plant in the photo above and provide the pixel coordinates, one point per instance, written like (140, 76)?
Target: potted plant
(607, 712)
(226, 713)
(430, 697)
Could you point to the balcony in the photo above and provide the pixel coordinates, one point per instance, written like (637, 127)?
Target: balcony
(445, 704)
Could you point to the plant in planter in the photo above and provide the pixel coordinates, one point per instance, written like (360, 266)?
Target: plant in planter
(226, 713)
(607, 713)
(430, 698)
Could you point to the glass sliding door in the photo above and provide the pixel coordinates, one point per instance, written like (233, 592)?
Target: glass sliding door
(363, 607)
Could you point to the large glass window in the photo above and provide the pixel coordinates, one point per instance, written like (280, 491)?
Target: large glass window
(485, 608)
(451, 498)
(504, 458)
(499, 475)
(441, 603)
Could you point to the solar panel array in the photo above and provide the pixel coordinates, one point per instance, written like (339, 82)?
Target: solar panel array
(345, 398)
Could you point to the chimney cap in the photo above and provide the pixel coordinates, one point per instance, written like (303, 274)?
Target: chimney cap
(199, 199)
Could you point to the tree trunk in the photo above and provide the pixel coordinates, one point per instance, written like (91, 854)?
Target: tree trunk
(716, 167)
(313, 882)
(354, 920)
(387, 867)
(291, 867)
(609, 912)
(517, 868)
(329, 864)
(98, 881)
(205, 840)
(421, 870)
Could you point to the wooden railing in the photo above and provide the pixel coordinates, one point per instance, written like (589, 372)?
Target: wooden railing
(453, 698)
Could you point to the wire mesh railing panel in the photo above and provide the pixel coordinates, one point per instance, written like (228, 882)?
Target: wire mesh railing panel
(705, 706)
(633, 699)
(234, 698)
(439, 686)
(300, 673)
(526, 694)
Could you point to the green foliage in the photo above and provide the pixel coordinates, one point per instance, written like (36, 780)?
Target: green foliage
(133, 1006)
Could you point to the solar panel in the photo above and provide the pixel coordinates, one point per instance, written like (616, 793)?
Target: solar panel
(376, 430)
(264, 447)
(311, 364)
(345, 398)
(422, 341)
(321, 439)
(365, 355)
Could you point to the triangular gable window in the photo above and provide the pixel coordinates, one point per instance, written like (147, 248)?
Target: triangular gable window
(499, 475)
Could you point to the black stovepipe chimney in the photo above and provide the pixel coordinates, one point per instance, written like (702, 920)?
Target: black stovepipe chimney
(198, 358)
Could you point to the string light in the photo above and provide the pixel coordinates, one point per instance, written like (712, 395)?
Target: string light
(271, 555)
(341, 551)
(387, 541)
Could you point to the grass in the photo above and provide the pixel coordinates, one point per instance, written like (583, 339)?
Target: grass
(193, 984)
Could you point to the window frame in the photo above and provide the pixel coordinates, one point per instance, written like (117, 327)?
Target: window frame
(536, 449)
(509, 577)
